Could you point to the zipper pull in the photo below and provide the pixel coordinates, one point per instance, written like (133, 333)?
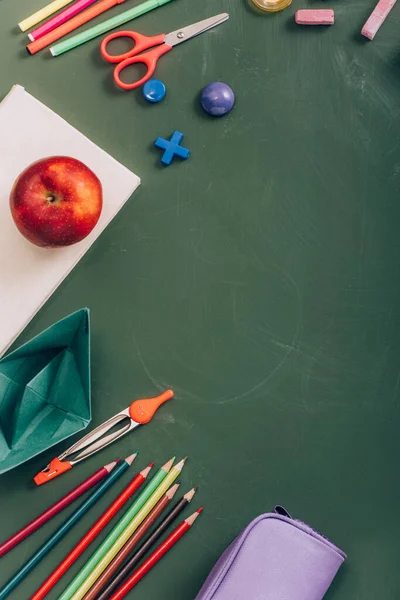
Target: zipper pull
(280, 510)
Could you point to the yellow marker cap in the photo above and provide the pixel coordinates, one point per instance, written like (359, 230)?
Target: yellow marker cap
(42, 14)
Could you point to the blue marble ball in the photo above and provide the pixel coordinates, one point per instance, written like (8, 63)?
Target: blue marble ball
(217, 99)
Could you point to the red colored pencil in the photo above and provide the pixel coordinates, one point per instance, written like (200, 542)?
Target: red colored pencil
(92, 534)
(157, 555)
(56, 508)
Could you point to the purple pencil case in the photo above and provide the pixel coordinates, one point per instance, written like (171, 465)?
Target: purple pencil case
(274, 558)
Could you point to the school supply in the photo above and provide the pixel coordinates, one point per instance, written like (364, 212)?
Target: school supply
(118, 470)
(31, 131)
(96, 30)
(156, 556)
(59, 19)
(42, 14)
(107, 551)
(217, 99)
(156, 46)
(172, 148)
(138, 413)
(315, 16)
(45, 389)
(91, 535)
(272, 5)
(118, 529)
(274, 557)
(377, 18)
(132, 543)
(51, 512)
(79, 20)
(154, 91)
(139, 554)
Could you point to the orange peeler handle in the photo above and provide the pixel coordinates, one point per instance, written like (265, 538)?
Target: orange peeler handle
(55, 468)
(142, 411)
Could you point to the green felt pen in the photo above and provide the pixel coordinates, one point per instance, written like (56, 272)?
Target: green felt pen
(89, 34)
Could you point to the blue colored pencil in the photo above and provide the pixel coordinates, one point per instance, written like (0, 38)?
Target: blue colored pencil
(67, 525)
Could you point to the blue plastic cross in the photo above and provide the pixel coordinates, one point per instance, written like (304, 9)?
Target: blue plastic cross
(172, 148)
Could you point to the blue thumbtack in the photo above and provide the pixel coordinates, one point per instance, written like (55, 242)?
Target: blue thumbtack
(154, 90)
(172, 148)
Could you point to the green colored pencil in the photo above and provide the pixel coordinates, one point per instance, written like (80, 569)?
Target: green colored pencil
(96, 30)
(110, 554)
(116, 532)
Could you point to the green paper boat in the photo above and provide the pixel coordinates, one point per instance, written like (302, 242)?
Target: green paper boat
(45, 390)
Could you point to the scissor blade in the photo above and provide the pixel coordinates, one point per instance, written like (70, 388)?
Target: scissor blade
(181, 35)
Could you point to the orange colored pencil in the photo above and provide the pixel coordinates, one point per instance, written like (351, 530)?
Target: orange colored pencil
(92, 534)
(72, 24)
(157, 555)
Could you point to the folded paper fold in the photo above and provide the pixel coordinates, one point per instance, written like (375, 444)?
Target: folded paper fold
(45, 390)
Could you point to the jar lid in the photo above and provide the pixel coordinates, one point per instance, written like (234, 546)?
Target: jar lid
(272, 5)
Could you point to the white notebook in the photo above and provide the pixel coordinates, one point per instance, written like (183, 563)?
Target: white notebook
(28, 274)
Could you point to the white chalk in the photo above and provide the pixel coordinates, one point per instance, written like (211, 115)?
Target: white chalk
(315, 17)
(379, 14)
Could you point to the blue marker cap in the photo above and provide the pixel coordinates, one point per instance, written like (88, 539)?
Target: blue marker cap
(154, 90)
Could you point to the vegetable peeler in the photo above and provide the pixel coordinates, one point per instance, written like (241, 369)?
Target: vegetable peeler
(139, 412)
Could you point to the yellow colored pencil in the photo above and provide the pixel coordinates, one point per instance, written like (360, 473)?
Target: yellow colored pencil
(128, 532)
(42, 14)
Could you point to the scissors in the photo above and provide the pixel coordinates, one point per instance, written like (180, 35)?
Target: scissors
(160, 43)
(138, 413)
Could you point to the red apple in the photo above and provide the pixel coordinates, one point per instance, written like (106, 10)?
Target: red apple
(56, 201)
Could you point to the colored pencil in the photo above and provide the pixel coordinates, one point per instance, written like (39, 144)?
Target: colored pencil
(96, 30)
(92, 534)
(157, 555)
(139, 554)
(132, 543)
(108, 556)
(59, 19)
(48, 514)
(72, 24)
(42, 14)
(63, 530)
(135, 509)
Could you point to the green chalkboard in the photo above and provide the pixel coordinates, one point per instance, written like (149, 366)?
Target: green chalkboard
(260, 279)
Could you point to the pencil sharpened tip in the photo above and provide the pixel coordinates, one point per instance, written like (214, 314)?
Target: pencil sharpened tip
(179, 466)
(172, 490)
(188, 497)
(168, 465)
(190, 520)
(131, 458)
(110, 466)
(146, 471)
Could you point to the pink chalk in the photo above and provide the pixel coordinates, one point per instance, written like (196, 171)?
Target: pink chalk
(315, 17)
(379, 14)
(59, 19)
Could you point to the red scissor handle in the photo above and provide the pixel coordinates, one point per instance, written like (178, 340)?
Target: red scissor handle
(142, 42)
(133, 56)
(149, 59)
